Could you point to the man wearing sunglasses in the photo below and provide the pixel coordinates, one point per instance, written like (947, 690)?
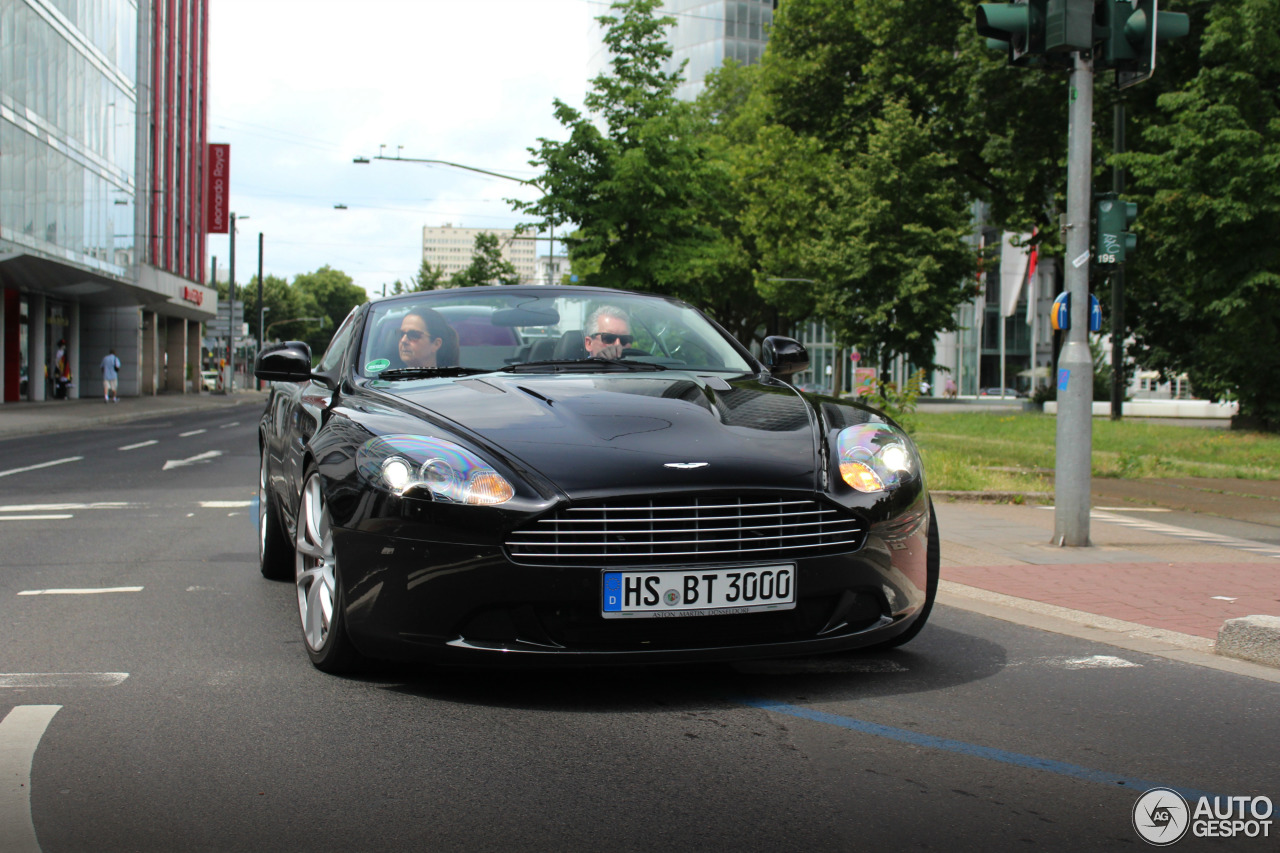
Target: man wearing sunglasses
(608, 333)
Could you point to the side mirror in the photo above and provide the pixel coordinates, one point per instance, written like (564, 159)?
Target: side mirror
(784, 356)
(286, 362)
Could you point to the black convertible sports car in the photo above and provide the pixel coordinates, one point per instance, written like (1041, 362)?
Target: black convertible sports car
(575, 475)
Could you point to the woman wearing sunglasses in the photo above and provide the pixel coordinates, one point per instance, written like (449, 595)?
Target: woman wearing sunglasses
(427, 340)
(608, 332)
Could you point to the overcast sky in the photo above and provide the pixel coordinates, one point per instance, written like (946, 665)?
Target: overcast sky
(299, 88)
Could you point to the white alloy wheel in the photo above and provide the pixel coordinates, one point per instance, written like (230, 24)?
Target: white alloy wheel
(316, 566)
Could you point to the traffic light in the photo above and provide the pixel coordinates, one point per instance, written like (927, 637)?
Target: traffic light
(1037, 32)
(1016, 27)
(1113, 240)
(1131, 30)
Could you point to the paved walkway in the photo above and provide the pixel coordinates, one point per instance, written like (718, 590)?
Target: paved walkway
(1138, 569)
(1142, 576)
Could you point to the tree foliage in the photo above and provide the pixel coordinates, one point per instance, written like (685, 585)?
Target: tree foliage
(1206, 281)
(652, 199)
(487, 265)
(333, 294)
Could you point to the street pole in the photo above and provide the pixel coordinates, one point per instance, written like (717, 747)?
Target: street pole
(261, 313)
(231, 314)
(1075, 364)
(1117, 282)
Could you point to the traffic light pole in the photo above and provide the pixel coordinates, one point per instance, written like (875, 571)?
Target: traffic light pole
(1074, 449)
(1117, 281)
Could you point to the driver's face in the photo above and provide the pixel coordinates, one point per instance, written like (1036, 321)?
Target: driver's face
(417, 347)
(609, 325)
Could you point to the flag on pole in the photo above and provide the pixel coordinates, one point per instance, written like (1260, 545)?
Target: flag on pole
(1013, 271)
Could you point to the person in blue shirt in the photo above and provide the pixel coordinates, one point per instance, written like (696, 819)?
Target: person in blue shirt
(110, 376)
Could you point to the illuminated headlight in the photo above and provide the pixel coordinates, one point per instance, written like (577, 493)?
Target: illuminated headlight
(413, 463)
(876, 458)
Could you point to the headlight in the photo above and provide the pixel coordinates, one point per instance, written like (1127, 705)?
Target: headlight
(876, 458)
(449, 473)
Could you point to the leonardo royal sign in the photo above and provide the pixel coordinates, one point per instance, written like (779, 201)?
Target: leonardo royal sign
(217, 191)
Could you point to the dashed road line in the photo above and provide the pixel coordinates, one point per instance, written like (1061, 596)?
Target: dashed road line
(84, 591)
(28, 680)
(41, 465)
(60, 517)
(20, 733)
(191, 433)
(228, 426)
(146, 443)
(198, 458)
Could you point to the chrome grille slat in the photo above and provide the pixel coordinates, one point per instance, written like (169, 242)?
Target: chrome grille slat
(686, 530)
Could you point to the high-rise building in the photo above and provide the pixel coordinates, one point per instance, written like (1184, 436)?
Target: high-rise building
(706, 33)
(102, 158)
(451, 249)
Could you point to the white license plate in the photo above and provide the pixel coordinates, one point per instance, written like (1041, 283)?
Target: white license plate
(698, 592)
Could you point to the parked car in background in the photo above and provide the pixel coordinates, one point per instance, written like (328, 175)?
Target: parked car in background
(1001, 392)
(523, 496)
(209, 378)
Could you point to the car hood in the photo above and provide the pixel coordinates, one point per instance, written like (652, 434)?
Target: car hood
(597, 433)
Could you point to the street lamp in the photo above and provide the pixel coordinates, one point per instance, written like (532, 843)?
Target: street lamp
(551, 234)
(231, 311)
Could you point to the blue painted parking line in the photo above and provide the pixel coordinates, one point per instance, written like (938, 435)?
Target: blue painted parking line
(985, 752)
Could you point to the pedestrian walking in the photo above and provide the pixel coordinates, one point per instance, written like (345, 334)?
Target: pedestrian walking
(61, 372)
(110, 377)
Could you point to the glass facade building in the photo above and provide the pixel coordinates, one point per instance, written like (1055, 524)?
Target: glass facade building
(708, 33)
(102, 139)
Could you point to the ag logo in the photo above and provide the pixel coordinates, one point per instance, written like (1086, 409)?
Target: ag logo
(1161, 816)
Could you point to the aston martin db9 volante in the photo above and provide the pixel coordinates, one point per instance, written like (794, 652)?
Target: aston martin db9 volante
(548, 475)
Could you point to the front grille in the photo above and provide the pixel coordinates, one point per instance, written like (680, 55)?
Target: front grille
(682, 530)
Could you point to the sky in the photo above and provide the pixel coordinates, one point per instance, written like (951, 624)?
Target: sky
(299, 88)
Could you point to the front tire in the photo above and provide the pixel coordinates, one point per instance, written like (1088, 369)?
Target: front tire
(275, 553)
(317, 576)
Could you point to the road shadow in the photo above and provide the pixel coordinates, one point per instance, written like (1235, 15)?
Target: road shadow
(939, 659)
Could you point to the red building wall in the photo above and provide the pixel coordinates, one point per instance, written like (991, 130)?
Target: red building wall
(180, 75)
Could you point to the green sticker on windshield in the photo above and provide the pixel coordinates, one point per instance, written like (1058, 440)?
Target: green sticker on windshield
(377, 366)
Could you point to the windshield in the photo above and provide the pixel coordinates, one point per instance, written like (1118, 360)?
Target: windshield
(539, 329)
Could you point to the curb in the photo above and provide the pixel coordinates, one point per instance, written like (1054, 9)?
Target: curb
(994, 497)
(1251, 638)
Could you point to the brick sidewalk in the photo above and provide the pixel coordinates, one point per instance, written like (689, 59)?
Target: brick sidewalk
(1149, 574)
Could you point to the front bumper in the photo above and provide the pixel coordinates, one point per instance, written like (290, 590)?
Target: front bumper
(468, 604)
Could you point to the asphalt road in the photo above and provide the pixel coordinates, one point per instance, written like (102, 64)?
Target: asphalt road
(179, 711)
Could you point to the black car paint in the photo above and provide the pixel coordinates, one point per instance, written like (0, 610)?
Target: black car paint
(418, 577)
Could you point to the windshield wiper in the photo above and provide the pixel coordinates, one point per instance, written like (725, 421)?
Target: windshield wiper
(424, 372)
(565, 364)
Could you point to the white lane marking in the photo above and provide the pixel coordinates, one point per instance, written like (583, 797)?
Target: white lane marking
(63, 507)
(86, 591)
(203, 457)
(36, 517)
(1131, 509)
(41, 465)
(1221, 598)
(1093, 662)
(188, 434)
(225, 504)
(146, 443)
(62, 679)
(20, 733)
(1189, 534)
(228, 426)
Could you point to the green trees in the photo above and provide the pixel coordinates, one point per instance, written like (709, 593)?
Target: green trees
(652, 198)
(1206, 282)
(487, 266)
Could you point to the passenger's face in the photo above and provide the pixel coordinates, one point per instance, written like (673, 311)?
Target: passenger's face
(417, 347)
